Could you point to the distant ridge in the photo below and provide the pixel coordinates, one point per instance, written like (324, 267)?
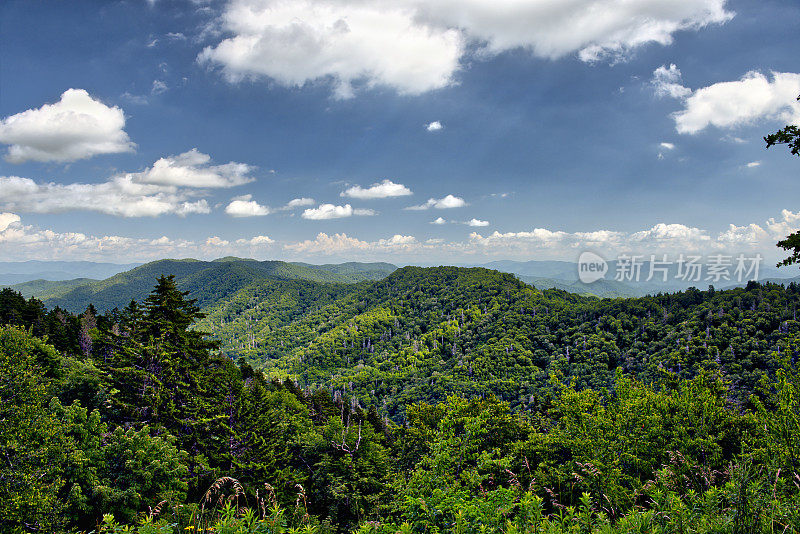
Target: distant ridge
(17, 272)
(207, 281)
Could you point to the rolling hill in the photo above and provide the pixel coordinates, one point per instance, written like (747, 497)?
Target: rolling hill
(207, 281)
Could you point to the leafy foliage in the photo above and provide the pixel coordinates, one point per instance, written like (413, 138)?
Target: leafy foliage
(210, 281)
(789, 135)
(433, 400)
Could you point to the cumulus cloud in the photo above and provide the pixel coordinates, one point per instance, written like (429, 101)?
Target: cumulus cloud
(753, 164)
(447, 202)
(730, 104)
(342, 243)
(76, 127)
(661, 238)
(787, 224)
(25, 242)
(169, 186)
(330, 211)
(200, 207)
(434, 126)
(667, 82)
(300, 41)
(439, 220)
(6, 219)
(256, 241)
(476, 222)
(595, 29)
(299, 202)
(18, 240)
(414, 46)
(324, 243)
(384, 189)
(245, 206)
(121, 196)
(667, 146)
(159, 87)
(215, 241)
(194, 169)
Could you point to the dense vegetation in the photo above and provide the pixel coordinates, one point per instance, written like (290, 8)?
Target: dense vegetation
(210, 281)
(434, 400)
(424, 334)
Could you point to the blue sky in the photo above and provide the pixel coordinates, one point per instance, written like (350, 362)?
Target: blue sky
(138, 130)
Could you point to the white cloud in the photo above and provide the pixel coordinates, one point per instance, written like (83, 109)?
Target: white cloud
(139, 100)
(215, 241)
(342, 243)
(789, 223)
(414, 46)
(733, 139)
(194, 169)
(330, 211)
(439, 220)
(300, 41)
(476, 222)
(167, 187)
(120, 196)
(660, 238)
(667, 146)
(299, 202)
(667, 82)
(76, 127)
(6, 219)
(753, 164)
(384, 189)
(447, 202)
(20, 241)
(730, 104)
(364, 212)
(434, 126)
(398, 240)
(245, 206)
(159, 87)
(26, 242)
(200, 207)
(256, 241)
(553, 28)
(748, 235)
(328, 244)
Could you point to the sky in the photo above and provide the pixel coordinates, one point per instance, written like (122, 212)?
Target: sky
(408, 131)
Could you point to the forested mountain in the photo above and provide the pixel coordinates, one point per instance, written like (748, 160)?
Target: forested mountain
(564, 275)
(47, 289)
(421, 334)
(210, 281)
(433, 400)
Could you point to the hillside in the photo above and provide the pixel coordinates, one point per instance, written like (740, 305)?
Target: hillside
(47, 289)
(208, 281)
(458, 396)
(424, 333)
(564, 275)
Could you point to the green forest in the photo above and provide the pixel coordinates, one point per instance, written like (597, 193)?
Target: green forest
(432, 400)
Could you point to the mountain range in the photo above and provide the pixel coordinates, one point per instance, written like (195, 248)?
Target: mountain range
(73, 285)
